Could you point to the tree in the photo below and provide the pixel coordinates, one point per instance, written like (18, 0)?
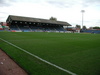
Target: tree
(53, 18)
(78, 26)
(84, 28)
(96, 27)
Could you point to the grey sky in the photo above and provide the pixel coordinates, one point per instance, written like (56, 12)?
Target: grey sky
(64, 10)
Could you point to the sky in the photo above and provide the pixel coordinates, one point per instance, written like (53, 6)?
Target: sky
(64, 10)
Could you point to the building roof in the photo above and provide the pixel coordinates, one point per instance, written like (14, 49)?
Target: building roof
(30, 19)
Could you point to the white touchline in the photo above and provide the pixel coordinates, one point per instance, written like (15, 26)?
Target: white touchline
(40, 58)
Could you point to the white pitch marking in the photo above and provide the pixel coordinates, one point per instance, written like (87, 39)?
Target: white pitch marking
(67, 71)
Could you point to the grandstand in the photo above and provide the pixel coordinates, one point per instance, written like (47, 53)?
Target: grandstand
(28, 24)
(97, 31)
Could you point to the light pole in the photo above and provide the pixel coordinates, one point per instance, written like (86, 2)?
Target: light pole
(82, 17)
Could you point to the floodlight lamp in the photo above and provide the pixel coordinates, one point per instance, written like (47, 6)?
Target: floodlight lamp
(82, 11)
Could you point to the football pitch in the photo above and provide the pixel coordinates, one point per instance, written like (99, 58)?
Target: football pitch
(78, 53)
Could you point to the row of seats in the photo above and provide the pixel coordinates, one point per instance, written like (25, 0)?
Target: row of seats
(92, 31)
(13, 27)
(35, 28)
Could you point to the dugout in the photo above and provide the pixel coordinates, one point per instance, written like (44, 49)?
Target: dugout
(34, 24)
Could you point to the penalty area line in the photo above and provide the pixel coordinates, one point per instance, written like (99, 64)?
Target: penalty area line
(58, 67)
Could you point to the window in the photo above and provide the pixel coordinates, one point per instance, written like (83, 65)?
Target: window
(15, 22)
(25, 22)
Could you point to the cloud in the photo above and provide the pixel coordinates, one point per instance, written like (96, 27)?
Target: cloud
(87, 3)
(64, 3)
(92, 1)
(57, 3)
(73, 3)
(6, 3)
(3, 13)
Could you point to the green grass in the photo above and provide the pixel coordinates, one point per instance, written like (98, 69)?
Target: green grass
(79, 53)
